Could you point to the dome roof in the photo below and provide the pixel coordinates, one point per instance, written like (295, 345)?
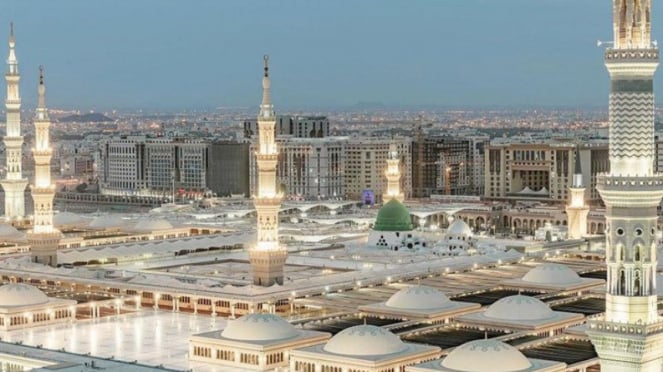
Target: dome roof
(459, 228)
(486, 356)
(10, 232)
(419, 297)
(19, 294)
(365, 340)
(259, 327)
(519, 307)
(148, 224)
(67, 218)
(106, 221)
(393, 216)
(551, 273)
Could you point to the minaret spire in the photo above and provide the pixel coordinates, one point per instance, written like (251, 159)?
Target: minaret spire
(268, 256)
(393, 174)
(44, 237)
(577, 210)
(630, 336)
(266, 108)
(13, 183)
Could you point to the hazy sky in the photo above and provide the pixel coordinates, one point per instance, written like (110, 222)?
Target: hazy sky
(324, 54)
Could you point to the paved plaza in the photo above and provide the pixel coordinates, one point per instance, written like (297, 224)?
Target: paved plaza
(151, 338)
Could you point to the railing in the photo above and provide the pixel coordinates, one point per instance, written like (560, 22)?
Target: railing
(626, 180)
(642, 54)
(625, 328)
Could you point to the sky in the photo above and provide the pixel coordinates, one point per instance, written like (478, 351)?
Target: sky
(202, 54)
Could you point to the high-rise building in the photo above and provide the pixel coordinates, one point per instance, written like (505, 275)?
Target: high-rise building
(268, 256)
(448, 165)
(300, 126)
(630, 335)
(577, 210)
(43, 238)
(520, 169)
(366, 161)
(13, 184)
(308, 168)
(228, 168)
(159, 167)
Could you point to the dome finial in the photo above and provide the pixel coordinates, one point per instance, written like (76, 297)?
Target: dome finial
(265, 58)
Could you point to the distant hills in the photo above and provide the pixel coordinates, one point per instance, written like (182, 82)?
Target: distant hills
(85, 118)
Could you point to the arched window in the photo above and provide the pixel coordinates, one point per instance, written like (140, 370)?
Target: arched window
(636, 284)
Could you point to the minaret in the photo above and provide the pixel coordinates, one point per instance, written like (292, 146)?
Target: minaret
(630, 336)
(577, 210)
(268, 256)
(393, 174)
(14, 184)
(43, 238)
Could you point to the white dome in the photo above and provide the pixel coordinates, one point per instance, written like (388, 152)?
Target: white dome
(459, 228)
(10, 232)
(19, 294)
(418, 297)
(148, 224)
(486, 356)
(519, 307)
(365, 340)
(107, 221)
(68, 218)
(552, 273)
(259, 327)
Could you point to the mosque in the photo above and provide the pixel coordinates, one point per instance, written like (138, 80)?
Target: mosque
(384, 301)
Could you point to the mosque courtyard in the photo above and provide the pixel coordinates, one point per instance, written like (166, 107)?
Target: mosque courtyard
(161, 337)
(150, 337)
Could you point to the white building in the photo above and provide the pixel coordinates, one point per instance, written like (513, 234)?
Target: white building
(256, 342)
(487, 356)
(553, 277)
(23, 306)
(139, 165)
(361, 348)
(522, 313)
(419, 302)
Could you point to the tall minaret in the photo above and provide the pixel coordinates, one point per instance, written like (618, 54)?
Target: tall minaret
(43, 238)
(14, 184)
(268, 256)
(577, 210)
(630, 336)
(393, 174)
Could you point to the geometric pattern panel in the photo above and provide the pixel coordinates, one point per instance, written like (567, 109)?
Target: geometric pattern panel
(632, 115)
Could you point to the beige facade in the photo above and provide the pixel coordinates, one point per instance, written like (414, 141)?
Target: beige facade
(366, 162)
(521, 170)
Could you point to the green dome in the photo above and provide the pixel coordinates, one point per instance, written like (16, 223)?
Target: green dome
(393, 216)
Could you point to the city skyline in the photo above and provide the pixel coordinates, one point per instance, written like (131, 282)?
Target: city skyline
(472, 53)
